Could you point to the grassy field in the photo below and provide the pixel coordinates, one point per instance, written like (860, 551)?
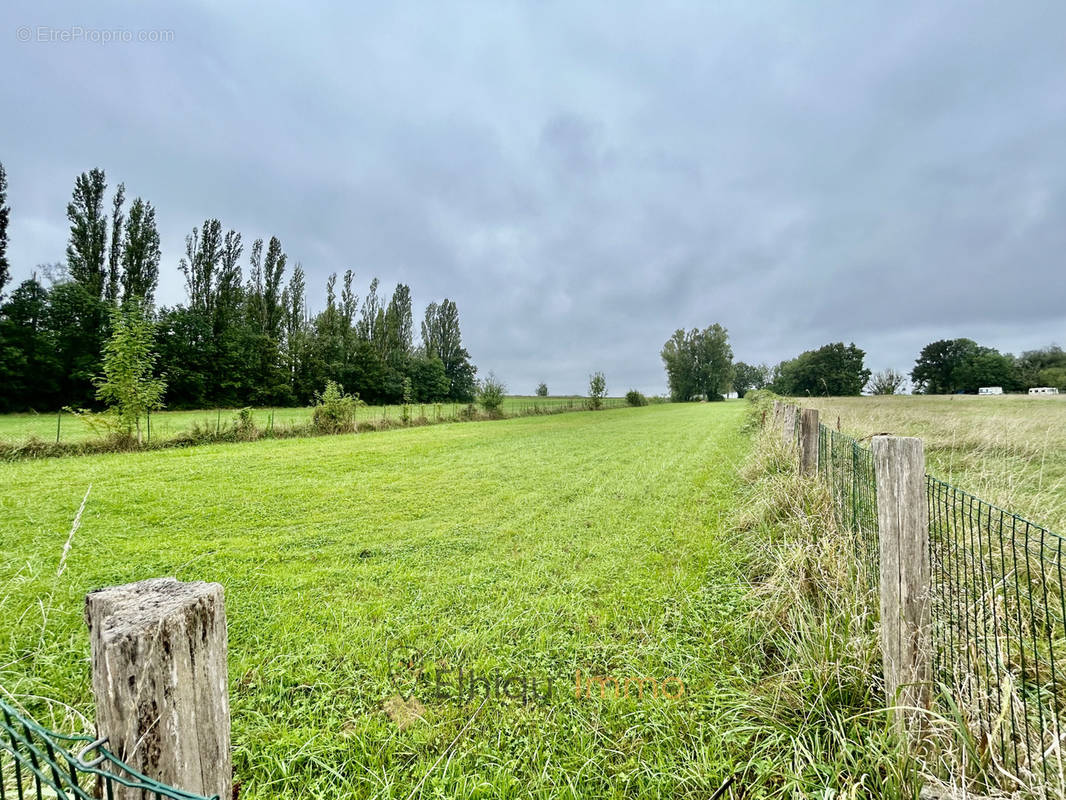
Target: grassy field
(1008, 450)
(530, 548)
(70, 428)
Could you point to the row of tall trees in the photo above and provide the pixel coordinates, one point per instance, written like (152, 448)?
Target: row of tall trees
(243, 337)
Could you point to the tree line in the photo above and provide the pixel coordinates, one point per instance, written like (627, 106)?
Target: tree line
(947, 366)
(243, 337)
(699, 365)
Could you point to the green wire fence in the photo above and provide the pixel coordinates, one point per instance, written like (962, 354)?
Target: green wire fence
(36, 762)
(998, 613)
(847, 467)
(999, 630)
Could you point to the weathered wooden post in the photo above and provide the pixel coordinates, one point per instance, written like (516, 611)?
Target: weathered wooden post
(903, 525)
(808, 441)
(160, 681)
(777, 412)
(788, 425)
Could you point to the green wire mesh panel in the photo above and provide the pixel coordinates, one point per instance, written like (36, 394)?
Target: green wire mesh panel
(38, 763)
(847, 467)
(999, 632)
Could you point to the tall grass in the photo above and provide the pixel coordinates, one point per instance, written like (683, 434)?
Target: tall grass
(1009, 450)
(818, 710)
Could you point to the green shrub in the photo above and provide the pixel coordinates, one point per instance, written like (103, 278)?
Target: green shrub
(334, 410)
(490, 393)
(635, 398)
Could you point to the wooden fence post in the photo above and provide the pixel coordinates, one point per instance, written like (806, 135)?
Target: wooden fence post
(903, 525)
(808, 441)
(788, 425)
(777, 413)
(160, 681)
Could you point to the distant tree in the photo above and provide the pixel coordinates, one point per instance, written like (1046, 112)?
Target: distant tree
(296, 344)
(273, 273)
(428, 379)
(986, 367)
(698, 363)
(186, 351)
(949, 366)
(349, 302)
(203, 249)
(140, 255)
(369, 313)
(399, 327)
(254, 309)
(228, 279)
(88, 232)
(1033, 365)
(542, 389)
(747, 377)
(441, 337)
(76, 325)
(835, 370)
(114, 257)
(934, 371)
(887, 381)
(597, 390)
(490, 393)
(1052, 376)
(128, 384)
(29, 369)
(5, 218)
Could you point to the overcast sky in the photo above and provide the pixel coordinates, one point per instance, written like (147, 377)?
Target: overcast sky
(582, 178)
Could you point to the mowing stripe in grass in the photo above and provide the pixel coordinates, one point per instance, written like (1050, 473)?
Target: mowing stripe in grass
(529, 547)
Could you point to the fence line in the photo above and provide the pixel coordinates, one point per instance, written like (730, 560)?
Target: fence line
(997, 606)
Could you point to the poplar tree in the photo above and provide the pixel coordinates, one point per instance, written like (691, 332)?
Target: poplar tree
(114, 256)
(5, 217)
(140, 255)
(88, 232)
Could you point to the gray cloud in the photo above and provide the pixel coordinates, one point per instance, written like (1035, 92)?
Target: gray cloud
(583, 179)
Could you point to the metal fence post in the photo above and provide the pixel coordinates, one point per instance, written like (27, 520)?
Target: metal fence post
(903, 525)
(159, 678)
(808, 441)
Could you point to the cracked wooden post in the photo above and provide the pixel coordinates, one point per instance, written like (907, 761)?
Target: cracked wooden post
(788, 425)
(808, 441)
(903, 528)
(159, 677)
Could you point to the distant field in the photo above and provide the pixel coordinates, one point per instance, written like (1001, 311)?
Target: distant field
(532, 548)
(165, 424)
(1009, 450)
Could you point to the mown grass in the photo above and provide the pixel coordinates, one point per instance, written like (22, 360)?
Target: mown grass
(535, 546)
(68, 428)
(1008, 450)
